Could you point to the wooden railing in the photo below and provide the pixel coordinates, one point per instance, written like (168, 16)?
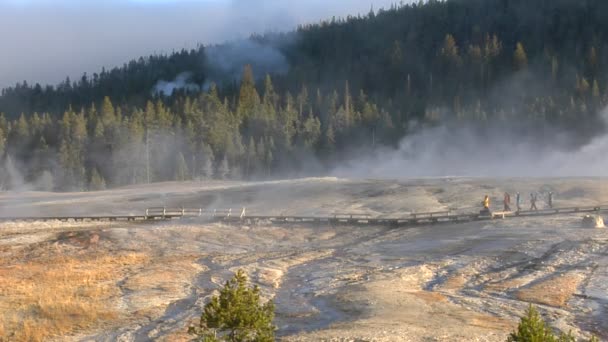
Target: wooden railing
(240, 215)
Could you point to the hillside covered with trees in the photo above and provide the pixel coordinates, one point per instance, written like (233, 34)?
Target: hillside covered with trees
(352, 83)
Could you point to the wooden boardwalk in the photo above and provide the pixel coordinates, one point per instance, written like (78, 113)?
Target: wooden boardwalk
(240, 216)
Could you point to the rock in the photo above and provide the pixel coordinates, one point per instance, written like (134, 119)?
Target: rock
(592, 221)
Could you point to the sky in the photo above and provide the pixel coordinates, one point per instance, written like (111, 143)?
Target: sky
(43, 41)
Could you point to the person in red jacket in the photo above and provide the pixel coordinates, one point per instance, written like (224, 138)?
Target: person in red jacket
(507, 202)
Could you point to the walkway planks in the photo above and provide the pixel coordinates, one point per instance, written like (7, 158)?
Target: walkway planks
(239, 216)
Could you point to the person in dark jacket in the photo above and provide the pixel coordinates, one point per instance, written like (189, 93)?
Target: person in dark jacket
(533, 201)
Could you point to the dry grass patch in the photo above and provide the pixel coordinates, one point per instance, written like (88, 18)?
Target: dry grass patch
(503, 286)
(60, 295)
(162, 282)
(430, 297)
(554, 292)
(454, 283)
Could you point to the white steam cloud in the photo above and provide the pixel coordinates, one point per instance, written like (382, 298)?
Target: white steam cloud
(182, 81)
(226, 61)
(464, 150)
(46, 40)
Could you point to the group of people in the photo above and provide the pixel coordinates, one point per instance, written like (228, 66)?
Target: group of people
(507, 201)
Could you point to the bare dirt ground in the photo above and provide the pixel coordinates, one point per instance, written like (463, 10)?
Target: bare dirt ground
(456, 282)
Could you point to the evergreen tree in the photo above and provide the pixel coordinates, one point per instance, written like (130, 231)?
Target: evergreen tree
(97, 182)
(2, 142)
(520, 58)
(400, 62)
(251, 158)
(207, 162)
(236, 315)
(595, 92)
(224, 169)
(532, 328)
(450, 51)
(181, 168)
(45, 182)
(311, 131)
(248, 95)
(23, 129)
(207, 167)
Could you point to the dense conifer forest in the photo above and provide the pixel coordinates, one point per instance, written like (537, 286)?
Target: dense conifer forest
(352, 83)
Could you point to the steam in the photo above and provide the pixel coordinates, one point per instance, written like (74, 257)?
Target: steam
(225, 62)
(182, 81)
(501, 150)
(11, 178)
(70, 31)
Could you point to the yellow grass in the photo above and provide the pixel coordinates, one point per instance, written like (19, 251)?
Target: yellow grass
(556, 291)
(60, 295)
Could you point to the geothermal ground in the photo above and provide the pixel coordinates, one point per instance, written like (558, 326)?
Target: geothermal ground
(452, 282)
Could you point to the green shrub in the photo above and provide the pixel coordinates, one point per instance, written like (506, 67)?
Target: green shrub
(532, 328)
(236, 315)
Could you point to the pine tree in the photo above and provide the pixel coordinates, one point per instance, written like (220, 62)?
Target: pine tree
(554, 68)
(224, 169)
(532, 328)
(592, 61)
(396, 56)
(330, 140)
(181, 168)
(2, 142)
(311, 131)
(251, 160)
(450, 51)
(520, 58)
(207, 161)
(236, 315)
(108, 114)
(302, 100)
(595, 92)
(207, 167)
(249, 98)
(135, 153)
(23, 128)
(45, 182)
(270, 99)
(583, 87)
(97, 182)
(269, 157)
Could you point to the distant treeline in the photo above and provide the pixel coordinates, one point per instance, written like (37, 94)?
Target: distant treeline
(355, 82)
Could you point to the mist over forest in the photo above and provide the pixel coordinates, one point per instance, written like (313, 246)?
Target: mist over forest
(457, 87)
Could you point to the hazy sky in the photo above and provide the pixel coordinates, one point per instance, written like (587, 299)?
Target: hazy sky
(46, 40)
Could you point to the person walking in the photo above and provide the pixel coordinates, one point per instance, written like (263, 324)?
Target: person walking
(533, 202)
(486, 204)
(550, 200)
(518, 201)
(507, 202)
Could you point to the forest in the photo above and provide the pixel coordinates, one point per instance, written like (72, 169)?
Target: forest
(352, 85)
